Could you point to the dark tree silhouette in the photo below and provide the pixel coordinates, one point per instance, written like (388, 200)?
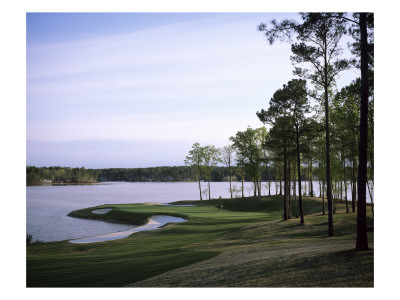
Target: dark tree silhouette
(292, 102)
(362, 239)
(196, 159)
(227, 157)
(250, 154)
(316, 58)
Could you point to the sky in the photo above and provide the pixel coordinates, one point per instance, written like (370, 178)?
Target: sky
(110, 90)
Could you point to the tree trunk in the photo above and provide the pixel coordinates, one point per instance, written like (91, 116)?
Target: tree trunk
(362, 238)
(269, 187)
(201, 198)
(209, 190)
(295, 197)
(230, 181)
(242, 175)
(288, 192)
(323, 197)
(345, 184)
(299, 175)
(372, 200)
(320, 188)
(335, 198)
(351, 185)
(328, 170)
(319, 179)
(285, 213)
(305, 183)
(327, 144)
(341, 191)
(311, 183)
(294, 192)
(280, 180)
(353, 190)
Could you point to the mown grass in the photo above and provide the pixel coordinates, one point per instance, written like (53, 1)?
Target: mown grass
(244, 228)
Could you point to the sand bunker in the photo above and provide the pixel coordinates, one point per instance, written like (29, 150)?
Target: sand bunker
(155, 222)
(101, 211)
(167, 204)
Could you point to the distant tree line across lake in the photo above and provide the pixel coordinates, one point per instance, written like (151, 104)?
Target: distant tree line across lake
(57, 174)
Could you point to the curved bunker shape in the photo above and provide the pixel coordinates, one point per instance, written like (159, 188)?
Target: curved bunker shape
(167, 204)
(101, 211)
(155, 222)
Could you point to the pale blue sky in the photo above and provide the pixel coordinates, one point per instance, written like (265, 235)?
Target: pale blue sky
(138, 89)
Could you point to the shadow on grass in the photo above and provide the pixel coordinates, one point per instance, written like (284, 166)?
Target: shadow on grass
(340, 268)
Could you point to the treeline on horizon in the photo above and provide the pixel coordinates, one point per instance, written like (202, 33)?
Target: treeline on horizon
(58, 174)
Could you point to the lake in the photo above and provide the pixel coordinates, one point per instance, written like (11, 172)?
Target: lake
(47, 207)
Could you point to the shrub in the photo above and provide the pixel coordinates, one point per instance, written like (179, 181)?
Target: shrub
(29, 239)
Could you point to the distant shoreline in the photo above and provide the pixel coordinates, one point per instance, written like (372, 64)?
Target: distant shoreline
(98, 182)
(65, 183)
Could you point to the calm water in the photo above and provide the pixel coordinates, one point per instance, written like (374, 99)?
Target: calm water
(48, 206)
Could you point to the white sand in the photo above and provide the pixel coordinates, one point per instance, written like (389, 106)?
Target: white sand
(167, 204)
(155, 222)
(101, 211)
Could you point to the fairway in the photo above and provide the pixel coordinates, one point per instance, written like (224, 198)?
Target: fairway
(244, 226)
